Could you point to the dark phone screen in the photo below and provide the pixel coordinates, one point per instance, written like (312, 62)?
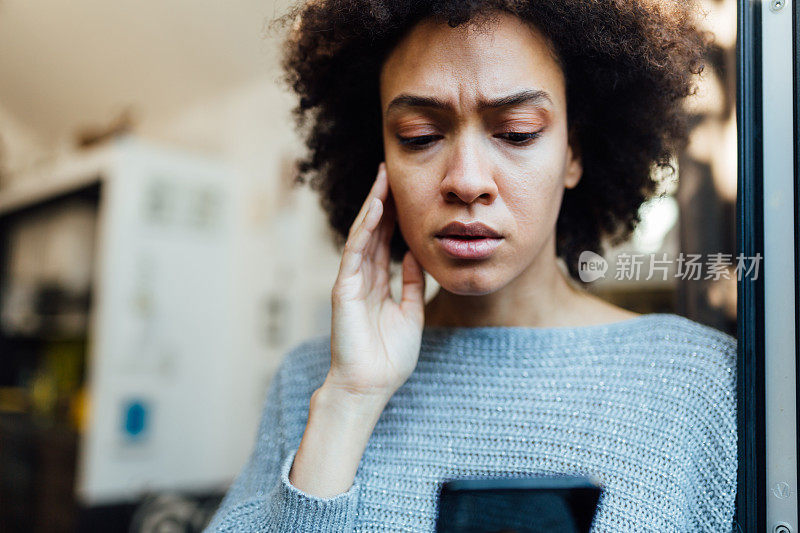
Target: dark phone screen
(539, 510)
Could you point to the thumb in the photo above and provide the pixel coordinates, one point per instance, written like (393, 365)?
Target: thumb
(413, 298)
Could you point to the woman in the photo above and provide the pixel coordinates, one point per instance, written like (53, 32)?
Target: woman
(512, 369)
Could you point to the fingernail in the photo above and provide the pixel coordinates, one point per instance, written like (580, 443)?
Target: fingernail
(370, 208)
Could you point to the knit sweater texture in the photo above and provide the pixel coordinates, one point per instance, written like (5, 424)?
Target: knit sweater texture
(646, 405)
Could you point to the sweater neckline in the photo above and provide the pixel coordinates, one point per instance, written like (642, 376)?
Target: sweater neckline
(491, 335)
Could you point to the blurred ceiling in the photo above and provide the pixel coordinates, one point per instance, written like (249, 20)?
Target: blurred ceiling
(65, 65)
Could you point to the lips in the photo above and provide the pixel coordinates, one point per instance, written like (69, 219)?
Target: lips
(473, 240)
(470, 230)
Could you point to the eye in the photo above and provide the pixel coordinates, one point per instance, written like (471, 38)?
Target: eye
(519, 138)
(418, 142)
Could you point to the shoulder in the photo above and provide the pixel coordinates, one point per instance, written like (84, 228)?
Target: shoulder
(682, 335)
(672, 341)
(700, 358)
(305, 364)
(301, 371)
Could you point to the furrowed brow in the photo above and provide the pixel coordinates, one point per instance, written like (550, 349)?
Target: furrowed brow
(535, 97)
(411, 100)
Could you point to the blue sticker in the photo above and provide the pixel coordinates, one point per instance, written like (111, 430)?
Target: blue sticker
(135, 414)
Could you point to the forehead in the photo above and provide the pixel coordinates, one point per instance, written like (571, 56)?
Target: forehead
(469, 63)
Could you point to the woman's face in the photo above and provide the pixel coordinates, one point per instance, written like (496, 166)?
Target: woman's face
(475, 131)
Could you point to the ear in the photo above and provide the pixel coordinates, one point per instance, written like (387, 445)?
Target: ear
(574, 167)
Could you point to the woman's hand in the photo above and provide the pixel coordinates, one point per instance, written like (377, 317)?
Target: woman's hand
(375, 344)
(375, 341)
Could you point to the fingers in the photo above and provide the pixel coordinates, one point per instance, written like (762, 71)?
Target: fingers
(357, 242)
(413, 298)
(379, 247)
(364, 225)
(379, 190)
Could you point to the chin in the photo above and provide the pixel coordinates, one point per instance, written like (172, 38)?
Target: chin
(468, 280)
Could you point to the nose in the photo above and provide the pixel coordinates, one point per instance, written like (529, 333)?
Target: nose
(469, 178)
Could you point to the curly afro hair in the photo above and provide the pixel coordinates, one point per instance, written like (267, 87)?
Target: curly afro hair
(627, 63)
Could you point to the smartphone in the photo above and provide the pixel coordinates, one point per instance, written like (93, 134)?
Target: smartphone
(540, 504)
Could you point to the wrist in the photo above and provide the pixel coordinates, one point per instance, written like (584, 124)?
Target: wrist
(339, 426)
(346, 402)
(353, 397)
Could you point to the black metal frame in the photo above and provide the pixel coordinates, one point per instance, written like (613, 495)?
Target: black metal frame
(751, 481)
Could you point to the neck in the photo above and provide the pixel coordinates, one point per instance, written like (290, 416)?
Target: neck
(541, 296)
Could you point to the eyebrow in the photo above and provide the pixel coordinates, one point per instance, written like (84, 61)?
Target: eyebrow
(530, 96)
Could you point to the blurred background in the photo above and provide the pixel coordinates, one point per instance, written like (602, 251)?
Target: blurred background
(156, 262)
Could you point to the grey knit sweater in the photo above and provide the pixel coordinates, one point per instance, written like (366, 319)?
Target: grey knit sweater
(646, 405)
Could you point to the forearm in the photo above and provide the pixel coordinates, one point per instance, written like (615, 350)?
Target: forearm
(263, 498)
(336, 435)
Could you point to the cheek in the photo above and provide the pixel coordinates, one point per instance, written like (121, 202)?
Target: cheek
(402, 192)
(407, 201)
(534, 198)
(533, 180)
(413, 186)
(416, 198)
